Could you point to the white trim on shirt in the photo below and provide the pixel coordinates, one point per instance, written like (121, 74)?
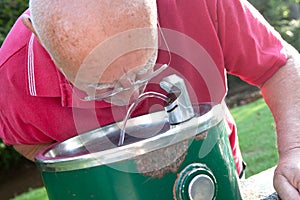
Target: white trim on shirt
(31, 77)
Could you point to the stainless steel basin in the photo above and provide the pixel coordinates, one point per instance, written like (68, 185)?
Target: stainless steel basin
(145, 134)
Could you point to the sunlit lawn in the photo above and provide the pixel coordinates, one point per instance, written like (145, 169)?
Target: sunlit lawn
(34, 194)
(256, 130)
(256, 135)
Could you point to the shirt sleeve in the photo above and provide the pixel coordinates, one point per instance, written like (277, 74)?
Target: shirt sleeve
(252, 49)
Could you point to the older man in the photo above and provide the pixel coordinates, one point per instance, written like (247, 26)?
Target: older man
(89, 49)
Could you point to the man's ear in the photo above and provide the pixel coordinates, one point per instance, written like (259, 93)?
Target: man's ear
(27, 22)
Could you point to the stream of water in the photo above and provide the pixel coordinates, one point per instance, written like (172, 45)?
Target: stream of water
(133, 106)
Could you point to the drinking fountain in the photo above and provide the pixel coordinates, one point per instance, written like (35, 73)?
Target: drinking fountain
(187, 157)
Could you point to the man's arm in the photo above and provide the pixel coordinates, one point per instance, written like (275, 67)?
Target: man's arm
(282, 94)
(30, 151)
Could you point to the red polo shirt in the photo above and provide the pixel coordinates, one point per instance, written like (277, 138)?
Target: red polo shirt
(206, 38)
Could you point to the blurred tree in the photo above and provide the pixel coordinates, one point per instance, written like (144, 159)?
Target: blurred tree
(284, 16)
(295, 10)
(9, 12)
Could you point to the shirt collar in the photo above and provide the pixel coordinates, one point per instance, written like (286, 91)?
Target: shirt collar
(45, 80)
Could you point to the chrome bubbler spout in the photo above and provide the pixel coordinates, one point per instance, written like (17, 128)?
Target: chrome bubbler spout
(177, 103)
(180, 108)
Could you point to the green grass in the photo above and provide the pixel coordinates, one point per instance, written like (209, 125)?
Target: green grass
(256, 130)
(256, 135)
(33, 194)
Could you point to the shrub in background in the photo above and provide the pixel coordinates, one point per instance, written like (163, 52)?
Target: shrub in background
(9, 12)
(284, 16)
(8, 157)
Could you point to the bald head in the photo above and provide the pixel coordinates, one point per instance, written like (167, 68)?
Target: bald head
(70, 30)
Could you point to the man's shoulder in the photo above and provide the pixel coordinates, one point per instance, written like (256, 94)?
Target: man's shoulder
(17, 39)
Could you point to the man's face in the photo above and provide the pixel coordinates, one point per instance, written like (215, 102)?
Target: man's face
(117, 63)
(122, 73)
